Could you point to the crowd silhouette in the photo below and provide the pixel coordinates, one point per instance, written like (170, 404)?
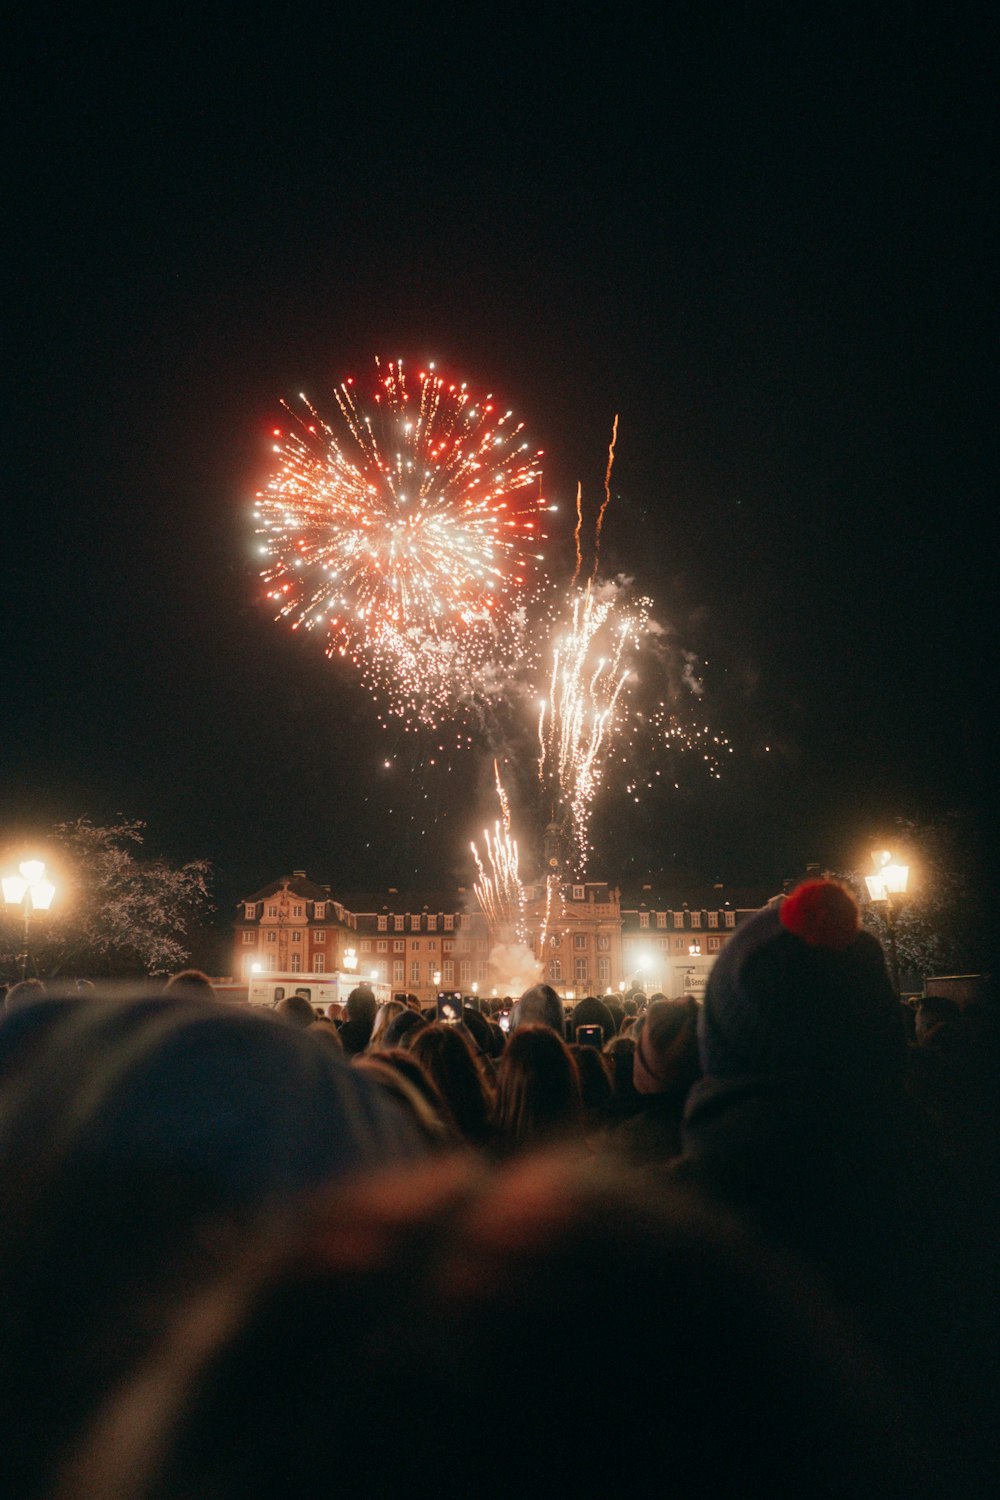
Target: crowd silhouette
(744, 1245)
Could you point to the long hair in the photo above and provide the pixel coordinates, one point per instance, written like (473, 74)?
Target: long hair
(538, 1089)
(447, 1055)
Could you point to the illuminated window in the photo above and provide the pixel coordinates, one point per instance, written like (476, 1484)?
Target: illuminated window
(432, 924)
(644, 919)
(250, 911)
(696, 919)
(730, 918)
(383, 924)
(555, 970)
(414, 924)
(578, 893)
(449, 922)
(398, 923)
(319, 910)
(713, 919)
(678, 919)
(661, 919)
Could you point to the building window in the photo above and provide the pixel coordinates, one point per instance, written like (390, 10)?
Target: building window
(603, 942)
(578, 893)
(272, 911)
(432, 923)
(249, 937)
(320, 937)
(663, 943)
(713, 919)
(398, 970)
(730, 918)
(383, 924)
(678, 945)
(296, 937)
(661, 919)
(644, 919)
(555, 970)
(678, 919)
(399, 945)
(366, 945)
(250, 911)
(272, 937)
(319, 910)
(604, 972)
(319, 963)
(482, 946)
(696, 919)
(448, 945)
(463, 921)
(449, 922)
(398, 923)
(296, 963)
(448, 971)
(465, 973)
(382, 946)
(296, 911)
(714, 944)
(415, 971)
(432, 946)
(248, 966)
(579, 940)
(580, 970)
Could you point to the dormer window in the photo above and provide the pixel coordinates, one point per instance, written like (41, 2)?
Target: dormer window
(678, 919)
(250, 910)
(578, 893)
(644, 919)
(383, 924)
(320, 910)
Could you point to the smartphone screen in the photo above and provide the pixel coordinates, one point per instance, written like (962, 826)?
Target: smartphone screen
(449, 1007)
(590, 1036)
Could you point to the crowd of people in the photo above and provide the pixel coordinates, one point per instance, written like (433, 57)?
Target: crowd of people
(744, 1244)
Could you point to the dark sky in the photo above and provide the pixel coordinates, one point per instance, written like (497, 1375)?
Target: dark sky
(766, 244)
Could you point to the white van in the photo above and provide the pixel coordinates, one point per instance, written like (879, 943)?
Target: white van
(320, 990)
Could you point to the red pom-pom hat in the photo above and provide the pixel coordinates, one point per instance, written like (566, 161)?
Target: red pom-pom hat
(823, 914)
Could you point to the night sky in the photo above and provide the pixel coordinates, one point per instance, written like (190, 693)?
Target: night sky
(765, 244)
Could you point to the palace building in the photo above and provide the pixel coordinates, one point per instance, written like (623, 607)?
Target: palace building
(583, 938)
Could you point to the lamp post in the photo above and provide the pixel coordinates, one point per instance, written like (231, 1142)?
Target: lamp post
(888, 882)
(31, 892)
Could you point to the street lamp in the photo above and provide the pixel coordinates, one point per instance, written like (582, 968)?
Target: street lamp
(888, 882)
(31, 892)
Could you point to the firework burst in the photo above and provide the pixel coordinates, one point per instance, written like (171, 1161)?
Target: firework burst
(499, 890)
(407, 536)
(585, 707)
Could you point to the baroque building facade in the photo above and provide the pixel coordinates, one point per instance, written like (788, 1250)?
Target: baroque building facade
(582, 937)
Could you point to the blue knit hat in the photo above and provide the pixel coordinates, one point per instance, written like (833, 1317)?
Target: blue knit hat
(800, 988)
